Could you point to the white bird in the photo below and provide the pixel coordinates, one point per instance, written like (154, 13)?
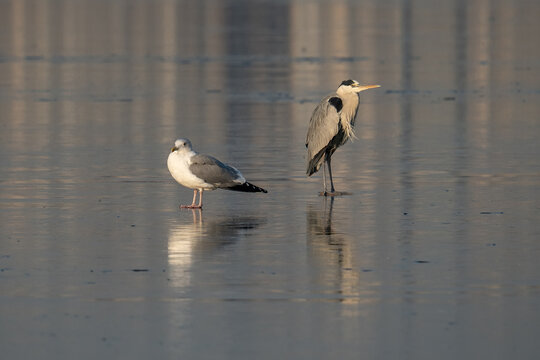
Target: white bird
(330, 126)
(203, 172)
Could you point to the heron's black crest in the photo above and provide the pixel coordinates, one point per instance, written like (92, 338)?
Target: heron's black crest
(336, 102)
(347, 82)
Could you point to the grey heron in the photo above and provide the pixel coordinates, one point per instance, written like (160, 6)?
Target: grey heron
(330, 126)
(203, 172)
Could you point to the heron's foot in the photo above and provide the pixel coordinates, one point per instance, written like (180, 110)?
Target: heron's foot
(192, 206)
(334, 193)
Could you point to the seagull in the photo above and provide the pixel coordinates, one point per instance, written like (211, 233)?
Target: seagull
(204, 172)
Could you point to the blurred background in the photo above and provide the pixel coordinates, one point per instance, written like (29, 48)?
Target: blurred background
(433, 255)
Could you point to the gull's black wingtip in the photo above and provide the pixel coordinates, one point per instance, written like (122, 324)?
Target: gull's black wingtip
(247, 187)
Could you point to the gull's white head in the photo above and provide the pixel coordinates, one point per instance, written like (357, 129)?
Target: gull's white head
(181, 145)
(353, 86)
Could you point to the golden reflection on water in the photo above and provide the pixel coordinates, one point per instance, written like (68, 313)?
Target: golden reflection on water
(85, 85)
(445, 167)
(182, 240)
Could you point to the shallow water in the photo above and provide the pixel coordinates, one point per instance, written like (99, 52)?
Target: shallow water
(433, 255)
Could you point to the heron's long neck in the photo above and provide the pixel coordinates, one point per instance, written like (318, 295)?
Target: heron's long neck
(348, 113)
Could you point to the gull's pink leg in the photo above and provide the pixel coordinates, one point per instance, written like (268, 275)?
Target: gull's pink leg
(194, 197)
(192, 206)
(200, 199)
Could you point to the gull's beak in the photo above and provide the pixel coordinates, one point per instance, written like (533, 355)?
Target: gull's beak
(365, 87)
(174, 148)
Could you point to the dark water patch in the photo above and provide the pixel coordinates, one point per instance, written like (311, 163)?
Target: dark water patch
(107, 100)
(249, 60)
(92, 59)
(262, 97)
(34, 58)
(402, 91)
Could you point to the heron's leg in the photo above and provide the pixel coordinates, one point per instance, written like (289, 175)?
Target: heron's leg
(324, 177)
(330, 173)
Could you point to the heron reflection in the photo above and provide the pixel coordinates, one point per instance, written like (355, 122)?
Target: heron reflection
(320, 224)
(331, 253)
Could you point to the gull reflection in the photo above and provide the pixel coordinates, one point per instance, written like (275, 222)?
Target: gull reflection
(182, 239)
(199, 239)
(334, 271)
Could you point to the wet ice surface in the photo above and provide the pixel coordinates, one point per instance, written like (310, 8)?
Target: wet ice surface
(433, 255)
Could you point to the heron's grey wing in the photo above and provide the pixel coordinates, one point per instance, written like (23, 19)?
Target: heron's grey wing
(214, 172)
(323, 126)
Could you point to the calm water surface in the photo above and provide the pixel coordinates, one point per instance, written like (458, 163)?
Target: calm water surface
(434, 255)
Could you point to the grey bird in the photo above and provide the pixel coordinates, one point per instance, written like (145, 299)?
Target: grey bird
(204, 172)
(331, 125)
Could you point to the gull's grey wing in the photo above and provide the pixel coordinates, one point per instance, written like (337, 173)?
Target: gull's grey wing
(214, 172)
(323, 126)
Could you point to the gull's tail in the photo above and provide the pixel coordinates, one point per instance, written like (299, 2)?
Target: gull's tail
(246, 187)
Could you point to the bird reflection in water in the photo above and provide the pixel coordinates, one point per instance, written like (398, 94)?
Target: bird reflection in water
(195, 241)
(333, 269)
(320, 222)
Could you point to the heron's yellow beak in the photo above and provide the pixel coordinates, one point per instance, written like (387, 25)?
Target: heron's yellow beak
(366, 87)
